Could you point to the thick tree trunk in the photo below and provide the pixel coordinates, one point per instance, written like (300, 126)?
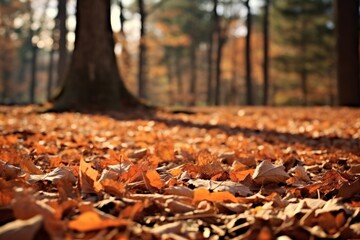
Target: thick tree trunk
(63, 52)
(266, 53)
(93, 81)
(303, 71)
(142, 81)
(249, 87)
(347, 51)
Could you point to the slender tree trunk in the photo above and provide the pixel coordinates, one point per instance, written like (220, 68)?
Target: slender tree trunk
(234, 63)
(347, 51)
(63, 52)
(142, 81)
(93, 81)
(122, 17)
(180, 87)
(210, 55)
(220, 46)
(170, 77)
(32, 88)
(303, 71)
(193, 75)
(249, 87)
(266, 53)
(50, 73)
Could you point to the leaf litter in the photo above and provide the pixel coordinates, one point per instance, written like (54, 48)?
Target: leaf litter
(221, 173)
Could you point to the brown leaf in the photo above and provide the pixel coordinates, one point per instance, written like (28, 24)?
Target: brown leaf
(54, 176)
(266, 172)
(21, 229)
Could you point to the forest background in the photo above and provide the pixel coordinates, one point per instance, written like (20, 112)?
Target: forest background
(170, 52)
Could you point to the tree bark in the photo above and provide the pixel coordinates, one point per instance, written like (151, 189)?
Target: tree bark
(266, 53)
(178, 63)
(347, 51)
(63, 52)
(193, 75)
(50, 73)
(249, 87)
(32, 88)
(142, 81)
(93, 81)
(210, 55)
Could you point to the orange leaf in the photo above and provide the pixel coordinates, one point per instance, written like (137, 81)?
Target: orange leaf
(154, 179)
(90, 221)
(201, 194)
(239, 176)
(165, 151)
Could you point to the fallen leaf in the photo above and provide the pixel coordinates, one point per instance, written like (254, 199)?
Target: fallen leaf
(222, 186)
(154, 179)
(91, 221)
(266, 172)
(201, 194)
(54, 176)
(21, 229)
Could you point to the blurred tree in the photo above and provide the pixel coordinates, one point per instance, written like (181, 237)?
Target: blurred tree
(248, 78)
(347, 50)
(304, 34)
(63, 51)
(265, 99)
(142, 82)
(210, 75)
(10, 11)
(93, 81)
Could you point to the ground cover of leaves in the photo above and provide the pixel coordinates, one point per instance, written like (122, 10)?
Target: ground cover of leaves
(221, 173)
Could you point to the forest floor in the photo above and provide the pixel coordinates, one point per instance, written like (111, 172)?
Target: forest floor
(221, 173)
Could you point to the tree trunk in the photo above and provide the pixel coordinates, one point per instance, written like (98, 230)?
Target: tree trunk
(234, 63)
(63, 52)
(210, 56)
(93, 81)
(180, 88)
(32, 88)
(347, 51)
(142, 52)
(193, 75)
(220, 46)
(170, 77)
(249, 87)
(50, 73)
(303, 70)
(266, 53)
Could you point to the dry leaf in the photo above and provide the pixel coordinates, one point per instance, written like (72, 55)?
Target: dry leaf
(91, 221)
(222, 186)
(21, 229)
(201, 194)
(266, 172)
(54, 176)
(154, 179)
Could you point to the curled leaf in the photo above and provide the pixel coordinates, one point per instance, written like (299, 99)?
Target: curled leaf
(266, 172)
